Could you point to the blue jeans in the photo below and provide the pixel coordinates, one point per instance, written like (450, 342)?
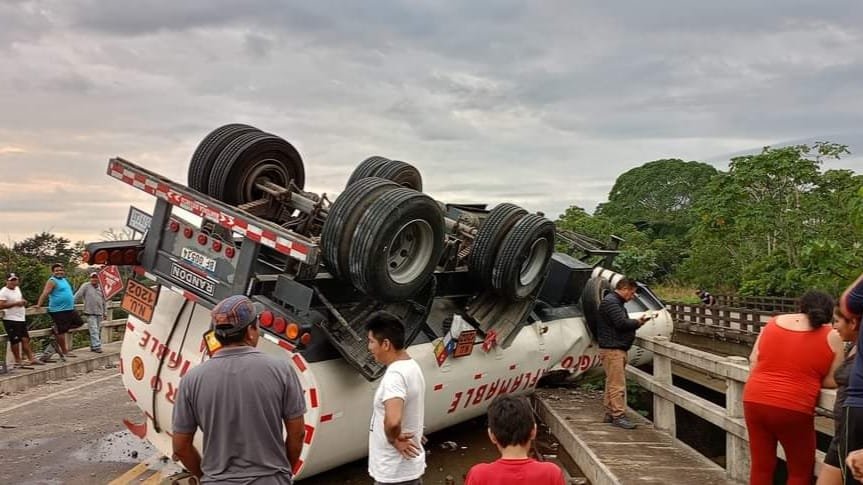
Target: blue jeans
(94, 323)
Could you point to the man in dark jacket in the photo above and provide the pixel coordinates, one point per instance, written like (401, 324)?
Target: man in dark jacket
(616, 333)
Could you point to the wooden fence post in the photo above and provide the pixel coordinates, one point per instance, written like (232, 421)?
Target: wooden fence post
(663, 409)
(736, 448)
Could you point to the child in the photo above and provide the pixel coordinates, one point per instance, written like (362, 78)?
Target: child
(511, 428)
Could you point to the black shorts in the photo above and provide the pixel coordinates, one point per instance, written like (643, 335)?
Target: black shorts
(16, 331)
(65, 321)
(832, 456)
(850, 439)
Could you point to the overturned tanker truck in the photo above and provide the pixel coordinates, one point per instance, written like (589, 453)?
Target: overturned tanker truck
(488, 304)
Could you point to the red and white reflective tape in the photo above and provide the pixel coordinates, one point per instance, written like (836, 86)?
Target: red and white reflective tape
(281, 343)
(251, 231)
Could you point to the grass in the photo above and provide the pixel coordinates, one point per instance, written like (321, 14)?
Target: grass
(676, 292)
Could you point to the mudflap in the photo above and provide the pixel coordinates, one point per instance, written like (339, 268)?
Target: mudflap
(503, 316)
(345, 327)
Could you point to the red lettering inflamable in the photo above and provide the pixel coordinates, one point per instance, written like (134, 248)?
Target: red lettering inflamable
(492, 389)
(455, 400)
(144, 339)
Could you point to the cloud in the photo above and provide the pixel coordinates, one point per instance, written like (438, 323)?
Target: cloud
(542, 104)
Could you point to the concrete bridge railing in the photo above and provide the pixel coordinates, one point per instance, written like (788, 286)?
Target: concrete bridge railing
(735, 371)
(109, 326)
(736, 324)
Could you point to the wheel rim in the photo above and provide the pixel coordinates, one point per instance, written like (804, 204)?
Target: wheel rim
(409, 251)
(264, 170)
(535, 261)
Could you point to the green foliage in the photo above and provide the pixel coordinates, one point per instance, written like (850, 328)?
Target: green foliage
(48, 248)
(775, 224)
(31, 259)
(658, 196)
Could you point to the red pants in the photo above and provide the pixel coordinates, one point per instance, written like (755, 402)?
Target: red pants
(794, 430)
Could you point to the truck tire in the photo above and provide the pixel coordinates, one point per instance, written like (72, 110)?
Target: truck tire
(396, 245)
(591, 296)
(205, 154)
(366, 168)
(522, 260)
(401, 173)
(345, 212)
(491, 232)
(251, 157)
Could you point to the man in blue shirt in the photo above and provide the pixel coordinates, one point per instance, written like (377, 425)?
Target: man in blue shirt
(851, 436)
(61, 307)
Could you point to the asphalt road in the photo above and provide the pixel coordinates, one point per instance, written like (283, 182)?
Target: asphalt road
(69, 432)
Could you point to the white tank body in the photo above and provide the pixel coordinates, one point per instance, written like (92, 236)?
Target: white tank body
(338, 398)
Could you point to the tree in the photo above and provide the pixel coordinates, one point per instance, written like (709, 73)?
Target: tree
(48, 249)
(775, 224)
(658, 196)
(636, 260)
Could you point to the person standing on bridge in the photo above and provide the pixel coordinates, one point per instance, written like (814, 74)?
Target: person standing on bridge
(848, 329)
(61, 308)
(15, 320)
(705, 297)
(793, 357)
(616, 334)
(396, 454)
(851, 304)
(243, 401)
(94, 310)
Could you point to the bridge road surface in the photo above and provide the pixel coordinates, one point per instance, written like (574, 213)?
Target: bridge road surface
(69, 432)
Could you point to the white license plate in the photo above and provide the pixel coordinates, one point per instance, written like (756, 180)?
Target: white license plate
(198, 259)
(190, 278)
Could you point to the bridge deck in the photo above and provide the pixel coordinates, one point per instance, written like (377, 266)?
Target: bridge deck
(610, 455)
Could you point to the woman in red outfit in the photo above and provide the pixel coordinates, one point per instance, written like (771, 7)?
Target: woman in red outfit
(794, 356)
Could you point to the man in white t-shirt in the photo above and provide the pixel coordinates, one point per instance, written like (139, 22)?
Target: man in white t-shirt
(396, 454)
(14, 306)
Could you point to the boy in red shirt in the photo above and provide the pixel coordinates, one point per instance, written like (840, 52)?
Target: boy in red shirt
(511, 428)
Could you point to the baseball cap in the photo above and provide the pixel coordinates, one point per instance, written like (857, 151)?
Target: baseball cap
(11, 276)
(232, 315)
(94, 274)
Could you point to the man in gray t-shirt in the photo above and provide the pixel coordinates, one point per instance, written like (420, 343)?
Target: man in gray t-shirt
(240, 399)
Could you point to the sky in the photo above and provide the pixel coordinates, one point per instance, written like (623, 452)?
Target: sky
(540, 103)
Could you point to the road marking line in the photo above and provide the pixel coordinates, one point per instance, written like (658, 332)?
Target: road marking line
(54, 394)
(154, 479)
(130, 475)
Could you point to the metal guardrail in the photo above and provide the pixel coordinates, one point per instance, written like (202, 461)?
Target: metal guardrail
(735, 371)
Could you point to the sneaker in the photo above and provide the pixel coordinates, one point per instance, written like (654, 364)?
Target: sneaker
(607, 418)
(622, 422)
(98, 351)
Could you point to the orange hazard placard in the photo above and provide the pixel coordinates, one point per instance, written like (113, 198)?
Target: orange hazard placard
(139, 300)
